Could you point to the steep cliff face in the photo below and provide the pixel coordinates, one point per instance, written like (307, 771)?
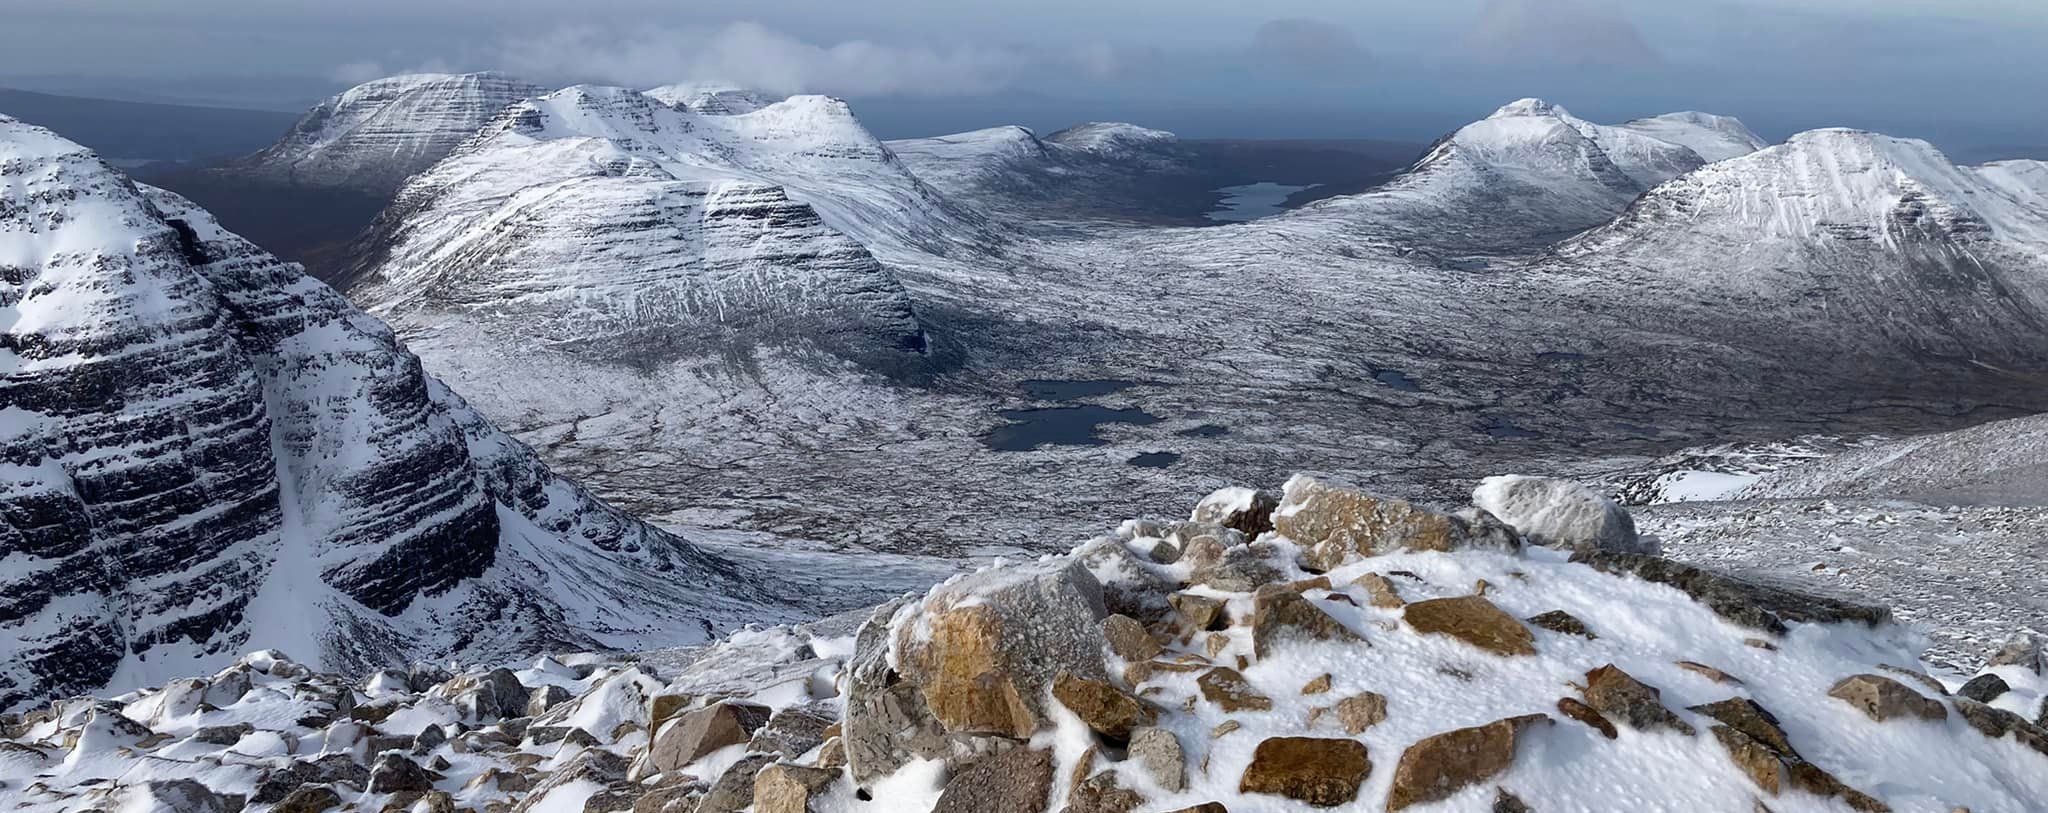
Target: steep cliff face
(205, 450)
(375, 135)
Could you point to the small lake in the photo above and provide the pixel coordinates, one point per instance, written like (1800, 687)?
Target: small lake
(1154, 460)
(1059, 426)
(1396, 379)
(1251, 201)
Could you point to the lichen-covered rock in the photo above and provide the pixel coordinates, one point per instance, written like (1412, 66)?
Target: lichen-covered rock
(1881, 699)
(394, 773)
(1247, 511)
(984, 649)
(1562, 622)
(1474, 620)
(1241, 569)
(1227, 688)
(794, 731)
(1335, 521)
(307, 799)
(1360, 712)
(1281, 614)
(734, 790)
(1380, 591)
(2025, 651)
(1439, 766)
(1200, 612)
(1558, 513)
(1159, 752)
(1321, 772)
(1019, 779)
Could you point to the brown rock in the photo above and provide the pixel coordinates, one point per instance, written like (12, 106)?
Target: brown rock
(1619, 696)
(1335, 522)
(1106, 710)
(832, 755)
(1563, 622)
(1101, 794)
(1227, 688)
(693, 734)
(1709, 672)
(1474, 620)
(1881, 698)
(1205, 807)
(1216, 643)
(1015, 780)
(1317, 686)
(1305, 585)
(1927, 681)
(308, 799)
(1242, 570)
(1746, 716)
(1129, 639)
(983, 650)
(1577, 709)
(1438, 767)
(1224, 727)
(1283, 615)
(1759, 762)
(1380, 591)
(1995, 723)
(734, 790)
(1360, 712)
(1200, 612)
(783, 788)
(1320, 772)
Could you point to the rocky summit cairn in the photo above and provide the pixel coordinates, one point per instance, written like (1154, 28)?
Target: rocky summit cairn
(1323, 648)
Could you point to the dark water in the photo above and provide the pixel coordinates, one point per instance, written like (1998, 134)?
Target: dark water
(1059, 426)
(1049, 390)
(1207, 430)
(1554, 355)
(1505, 429)
(1398, 380)
(1251, 201)
(1154, 460)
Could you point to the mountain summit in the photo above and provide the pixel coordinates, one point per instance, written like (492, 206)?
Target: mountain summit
(375, 135)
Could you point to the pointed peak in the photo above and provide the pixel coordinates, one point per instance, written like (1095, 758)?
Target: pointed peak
(1530, 107)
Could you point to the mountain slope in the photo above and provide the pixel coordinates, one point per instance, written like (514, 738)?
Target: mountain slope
(1525, 176)
(204, 450)
(375, 135)
(1858, 245)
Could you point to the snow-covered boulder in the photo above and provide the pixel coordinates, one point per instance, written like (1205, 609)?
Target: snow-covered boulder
(1558, 513)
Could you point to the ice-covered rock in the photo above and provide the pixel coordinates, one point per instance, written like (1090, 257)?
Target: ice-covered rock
(1560, 513)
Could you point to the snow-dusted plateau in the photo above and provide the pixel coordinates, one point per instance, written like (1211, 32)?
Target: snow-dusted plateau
(613, 465)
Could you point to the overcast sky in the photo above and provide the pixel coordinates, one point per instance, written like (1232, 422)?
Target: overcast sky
(1946, 69)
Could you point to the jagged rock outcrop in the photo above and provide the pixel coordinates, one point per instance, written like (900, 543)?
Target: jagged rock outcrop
(203, 449)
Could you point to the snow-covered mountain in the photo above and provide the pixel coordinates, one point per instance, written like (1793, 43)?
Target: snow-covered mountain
(375, 135)
(1099, 170)
(203, 450)
(1527, 175)
(1865, 247)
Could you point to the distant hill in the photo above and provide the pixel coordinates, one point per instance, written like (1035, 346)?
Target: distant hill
(132, 131)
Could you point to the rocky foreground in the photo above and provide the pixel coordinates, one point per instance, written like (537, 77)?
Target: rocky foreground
(1322, 648)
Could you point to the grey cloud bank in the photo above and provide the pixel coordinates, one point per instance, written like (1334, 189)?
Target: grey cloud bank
(1958, 70)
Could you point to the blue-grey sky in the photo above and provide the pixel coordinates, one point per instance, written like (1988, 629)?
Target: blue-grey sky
(1953, 70)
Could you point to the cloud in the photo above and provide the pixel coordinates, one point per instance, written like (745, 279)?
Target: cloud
(1576, 33)
(752, 55)
(1310, 44)
(358, 72)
